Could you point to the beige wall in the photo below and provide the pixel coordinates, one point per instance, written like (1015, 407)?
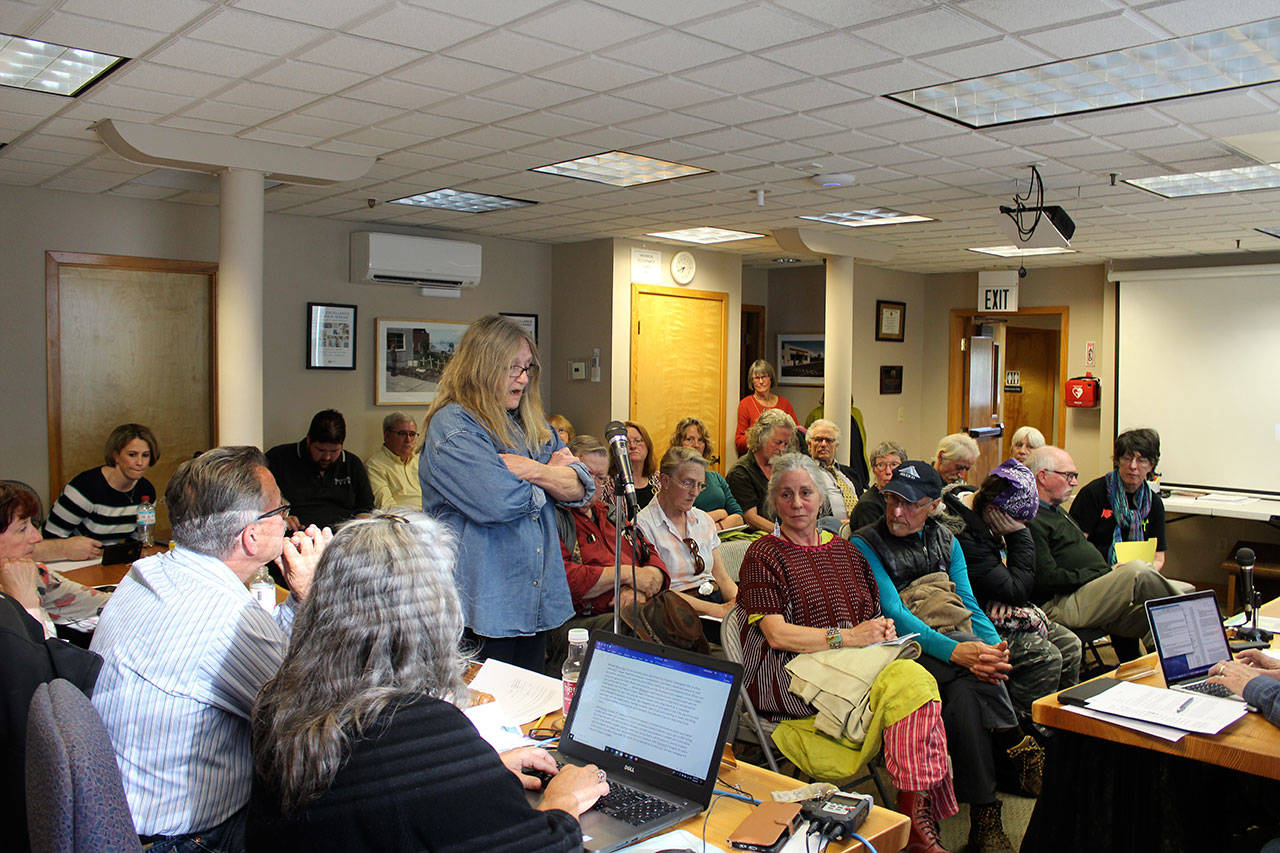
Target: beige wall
(305, 260)
(583, 296)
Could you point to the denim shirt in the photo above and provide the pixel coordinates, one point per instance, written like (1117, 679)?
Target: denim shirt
(510, 574)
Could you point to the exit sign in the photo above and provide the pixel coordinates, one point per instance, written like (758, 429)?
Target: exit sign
(998, 291)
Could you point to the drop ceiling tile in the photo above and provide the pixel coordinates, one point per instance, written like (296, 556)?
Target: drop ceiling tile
(209, 58)
(683, 151)
(32, 172)
(752, 28)
(495, 138)
(417, 28)
(366, 56)
(959, 145)
(169, 15)
(173, 81)
(793, 127)
(37, 154)
(729, 139)
(606, 109)
(255, 32)
(1261, 123)
(275, 98)
(341, 146)
(864, 112)
(393, 93)
(1223, 105)
(782, 151)
(473, 109)
(143, 191)
(1189, 17)
(890, 77)
(595, 72)
(511, 51)
(1193, 151)
(453, 75)
(427, 125)
(829, 54)
(75, 120)
(735, 110)
(114, 94)
(812, 94)
(1096, 36)
(31, 103)
(990, 57)
(18, 18)
(320, 13)
(1015, 17)
(1035, 133)
(320, 128)
(669, 52)
(351, 111)
(450, 150)
(200, 125)
(491, 12)
(92, 34)
(583, 26)
(531, 93)
(937, 29)
(668, 125)
(237, 114)
(610, 139)
(309, 77)
(742, 74)
(548, 124)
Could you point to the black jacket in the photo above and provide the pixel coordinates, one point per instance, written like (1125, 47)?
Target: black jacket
(1009, 579)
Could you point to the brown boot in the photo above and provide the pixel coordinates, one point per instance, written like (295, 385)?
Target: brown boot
(986, 830)
(918, 806)
(1028, 760)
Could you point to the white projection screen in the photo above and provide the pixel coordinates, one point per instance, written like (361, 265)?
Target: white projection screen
(1198, 359)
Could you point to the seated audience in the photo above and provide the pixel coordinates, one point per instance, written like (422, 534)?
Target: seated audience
(749, 477)
(1075, 585)
(957, 453)
(324, 484)
(685, 537)
(806, 590)
(393, 467)
(587, 544)
(1024, 440)
(102, 503)
(29, 657)
(915, 559)
(885, 458)
(358, 741)
(1255, 675)
(840, 492)
(1120, 506)
(715, 499)
(643, 463)
(562, 426)
(762, 398)
(858, 470)
(186, 649)
(62, 600)
(990, 523)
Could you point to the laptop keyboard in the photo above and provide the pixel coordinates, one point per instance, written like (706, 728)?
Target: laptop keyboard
(1210, 689)
(631, 806)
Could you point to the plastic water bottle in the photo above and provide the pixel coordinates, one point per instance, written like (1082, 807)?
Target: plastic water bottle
(573, 664)
(146, 519)
(263, 589)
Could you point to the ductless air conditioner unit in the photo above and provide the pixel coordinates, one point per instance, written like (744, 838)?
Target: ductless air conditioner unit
(438, 267)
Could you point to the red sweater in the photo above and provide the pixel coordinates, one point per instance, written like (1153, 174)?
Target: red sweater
(749, 409)
(594, 553)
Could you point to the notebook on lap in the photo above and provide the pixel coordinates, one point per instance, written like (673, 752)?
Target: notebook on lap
(654, 718)
(1190, 639)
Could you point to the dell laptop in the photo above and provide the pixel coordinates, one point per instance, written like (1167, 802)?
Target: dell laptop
(1190, 639)
(654, 718)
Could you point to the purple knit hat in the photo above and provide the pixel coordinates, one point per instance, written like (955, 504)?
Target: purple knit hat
(1021, 500)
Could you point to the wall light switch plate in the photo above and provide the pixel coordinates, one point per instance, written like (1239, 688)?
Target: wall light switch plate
(577, 370)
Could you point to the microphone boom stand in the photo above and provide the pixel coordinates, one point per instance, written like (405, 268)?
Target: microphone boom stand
(619, 513)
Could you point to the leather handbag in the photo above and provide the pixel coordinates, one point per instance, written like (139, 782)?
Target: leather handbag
(668, 620)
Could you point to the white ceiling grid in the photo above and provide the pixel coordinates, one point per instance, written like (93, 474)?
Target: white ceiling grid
(472, 94)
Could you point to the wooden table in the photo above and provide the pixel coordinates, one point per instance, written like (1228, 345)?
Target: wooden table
(886, 830)
(113, 573)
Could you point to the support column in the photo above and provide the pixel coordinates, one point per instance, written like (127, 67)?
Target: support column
(838, 385)
(239, 308)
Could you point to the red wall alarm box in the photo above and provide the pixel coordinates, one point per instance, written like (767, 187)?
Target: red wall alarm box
(1083, 392)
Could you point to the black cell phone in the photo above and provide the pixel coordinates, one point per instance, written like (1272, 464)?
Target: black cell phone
(121, 552)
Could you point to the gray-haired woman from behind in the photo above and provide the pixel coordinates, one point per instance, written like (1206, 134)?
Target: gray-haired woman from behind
(358, 743)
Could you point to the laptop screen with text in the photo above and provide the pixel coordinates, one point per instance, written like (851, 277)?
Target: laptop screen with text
(1189, 635)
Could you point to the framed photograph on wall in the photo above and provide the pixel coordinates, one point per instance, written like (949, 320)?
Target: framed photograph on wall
(528, 322)
(891, 320)
(891, 379)
(801, 358)
(331, 336)
(411, 356)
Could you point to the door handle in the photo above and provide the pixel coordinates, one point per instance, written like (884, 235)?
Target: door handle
(986, 432)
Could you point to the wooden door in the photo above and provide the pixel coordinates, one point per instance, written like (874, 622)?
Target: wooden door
(129, 340)
(679, 343)
(752, 345)
(982, 410)
(1033, 354)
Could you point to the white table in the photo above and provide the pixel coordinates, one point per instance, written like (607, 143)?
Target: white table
(1257, 509)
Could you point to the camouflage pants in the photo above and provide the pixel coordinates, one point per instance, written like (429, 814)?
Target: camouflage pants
(1040, 665)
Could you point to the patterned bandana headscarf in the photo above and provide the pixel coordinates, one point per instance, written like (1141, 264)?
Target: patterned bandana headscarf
(1021, 500)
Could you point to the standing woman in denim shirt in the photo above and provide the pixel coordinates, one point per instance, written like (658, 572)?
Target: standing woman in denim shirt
(493, 469)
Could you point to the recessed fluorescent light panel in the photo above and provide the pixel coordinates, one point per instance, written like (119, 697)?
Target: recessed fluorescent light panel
(704, 235)
(1260, 177)
(1015, 252)
(53, 68)
(461, 201)
(620, 169)
(1247, 55)
(871, 216)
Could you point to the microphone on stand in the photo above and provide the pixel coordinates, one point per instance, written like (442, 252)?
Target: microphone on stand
(615, 435)
(1245, 558)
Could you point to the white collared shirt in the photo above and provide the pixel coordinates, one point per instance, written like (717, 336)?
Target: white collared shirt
(675, 554)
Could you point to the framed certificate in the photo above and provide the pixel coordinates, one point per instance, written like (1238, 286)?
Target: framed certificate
(891, 320)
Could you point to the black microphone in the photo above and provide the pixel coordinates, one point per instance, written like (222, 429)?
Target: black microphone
(1245, 558)
(615, 434)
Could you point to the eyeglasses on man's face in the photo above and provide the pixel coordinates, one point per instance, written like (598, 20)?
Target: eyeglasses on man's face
(283, 509)
(405, 433)
(1069, 476)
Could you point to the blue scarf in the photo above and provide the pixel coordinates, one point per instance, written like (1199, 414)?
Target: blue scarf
(1131, 518)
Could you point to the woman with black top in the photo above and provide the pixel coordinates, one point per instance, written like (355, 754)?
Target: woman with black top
(358, 742)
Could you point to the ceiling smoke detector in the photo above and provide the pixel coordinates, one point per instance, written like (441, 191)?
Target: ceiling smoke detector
(833, 180)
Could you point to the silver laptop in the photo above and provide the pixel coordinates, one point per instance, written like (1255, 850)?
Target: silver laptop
(654, 718)
(1190, 639)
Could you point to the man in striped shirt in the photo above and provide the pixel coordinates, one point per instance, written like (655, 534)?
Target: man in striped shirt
(186, 649)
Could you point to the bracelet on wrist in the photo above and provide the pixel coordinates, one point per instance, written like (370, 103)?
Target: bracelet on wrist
(834, 638)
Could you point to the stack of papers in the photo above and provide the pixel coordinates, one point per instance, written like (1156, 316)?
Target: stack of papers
(1174, 709)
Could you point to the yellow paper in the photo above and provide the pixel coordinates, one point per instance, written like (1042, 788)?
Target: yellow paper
(1127, 551)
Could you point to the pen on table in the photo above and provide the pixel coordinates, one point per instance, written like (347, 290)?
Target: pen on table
(1184, 705)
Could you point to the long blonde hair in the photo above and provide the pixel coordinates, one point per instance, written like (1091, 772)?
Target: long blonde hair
(477, 371)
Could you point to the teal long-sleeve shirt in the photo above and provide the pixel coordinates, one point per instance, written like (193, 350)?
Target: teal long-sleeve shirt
(935, 644)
